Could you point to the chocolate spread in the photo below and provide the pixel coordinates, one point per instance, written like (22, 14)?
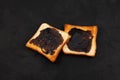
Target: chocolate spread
(48, 40)
(80, 40)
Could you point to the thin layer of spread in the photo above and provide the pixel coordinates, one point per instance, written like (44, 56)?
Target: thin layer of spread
(48, 40)
(80, 40)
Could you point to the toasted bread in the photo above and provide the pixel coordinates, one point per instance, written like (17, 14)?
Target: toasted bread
(52, 57)
(92, 50)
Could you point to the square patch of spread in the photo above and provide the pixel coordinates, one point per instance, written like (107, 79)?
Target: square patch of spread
(80, 40)
(48, 39)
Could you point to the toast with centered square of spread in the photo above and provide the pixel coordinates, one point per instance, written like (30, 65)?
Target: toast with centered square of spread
(82, 41)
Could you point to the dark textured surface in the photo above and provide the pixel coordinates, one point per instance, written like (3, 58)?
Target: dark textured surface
(48, 40)
(19, 20)
(80, 40)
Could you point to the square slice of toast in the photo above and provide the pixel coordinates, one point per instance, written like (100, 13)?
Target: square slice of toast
(83, 41)
(48, 41)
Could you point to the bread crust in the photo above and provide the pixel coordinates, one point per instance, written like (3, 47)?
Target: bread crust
(93, 29)
(53, 57)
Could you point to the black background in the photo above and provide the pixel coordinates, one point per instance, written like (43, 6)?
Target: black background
(19, 20)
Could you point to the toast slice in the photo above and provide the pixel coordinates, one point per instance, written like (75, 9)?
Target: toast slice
(82, 41)
(48, 41)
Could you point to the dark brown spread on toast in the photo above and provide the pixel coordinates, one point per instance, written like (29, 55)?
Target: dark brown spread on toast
(48, 40)
(80, 41)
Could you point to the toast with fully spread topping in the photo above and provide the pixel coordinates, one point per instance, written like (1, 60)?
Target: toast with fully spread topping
(48, 41)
